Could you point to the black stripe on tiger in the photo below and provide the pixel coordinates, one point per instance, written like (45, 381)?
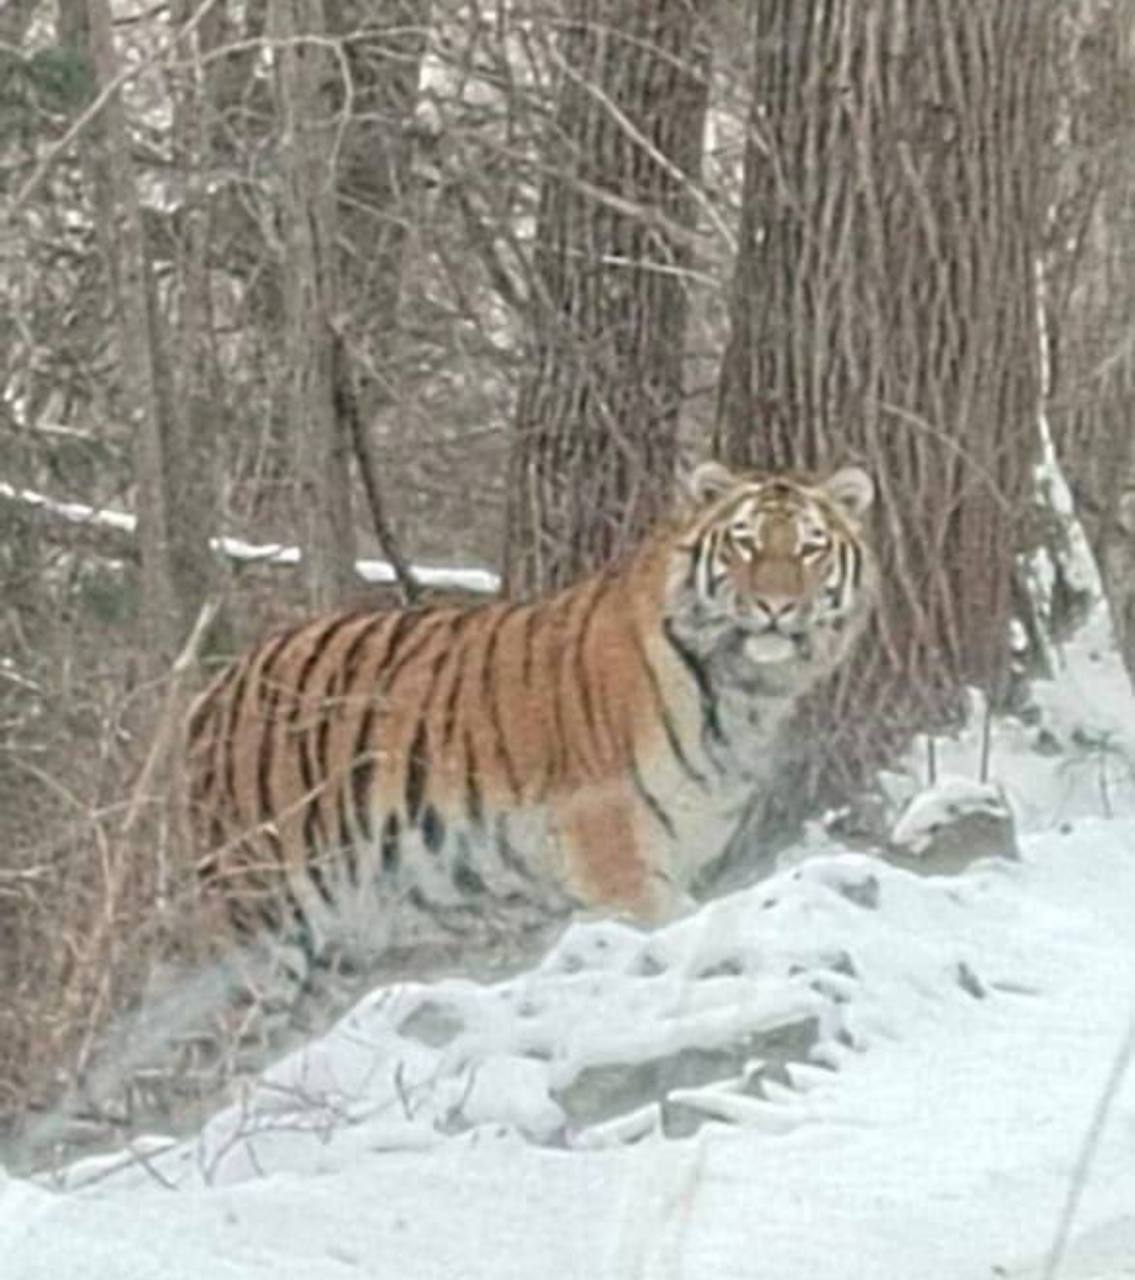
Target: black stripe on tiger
(399, 649)
(591, 716)
(391, 849)
(646, 795)
(558, 756)
(289, 894)
(211, 706)
(711, 720)
(853, 554)
(319, 644)
(362, 775)
(268, 693)
(489, 698)
(449, 719)
(664, 715)
(418, 763)
(694, 555)
(314, 832)
(433, 829)
(364, 764)
(300, 731)
(228, 740)
(247, 685)
(474, 804)
(327, 713)
(417, 771)
(346, 840)
(529, 645)
(457, 681)
(315, 840)
(356, 650)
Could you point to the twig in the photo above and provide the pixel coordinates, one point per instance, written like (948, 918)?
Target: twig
(347, 408)
(663, 161)
(170, 718)
(965, 455)
(1088, 1150)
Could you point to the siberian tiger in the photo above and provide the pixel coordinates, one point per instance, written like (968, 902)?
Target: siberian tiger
(369, 769)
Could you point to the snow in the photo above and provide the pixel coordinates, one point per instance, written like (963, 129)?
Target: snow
(967, 1025)
(846, 1070)
(944, 801)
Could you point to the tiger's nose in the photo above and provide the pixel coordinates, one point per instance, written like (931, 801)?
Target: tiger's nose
(777, 608)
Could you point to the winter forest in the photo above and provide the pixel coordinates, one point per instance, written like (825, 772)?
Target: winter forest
(321, 304)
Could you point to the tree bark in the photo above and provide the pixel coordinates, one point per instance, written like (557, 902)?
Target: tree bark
(884, 309)
(304, 68)
(1090, 298)
(196, 441)
(144, 385)
(596, 424)
(382, 49)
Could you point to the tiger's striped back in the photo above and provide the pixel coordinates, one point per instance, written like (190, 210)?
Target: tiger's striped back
(366, 777)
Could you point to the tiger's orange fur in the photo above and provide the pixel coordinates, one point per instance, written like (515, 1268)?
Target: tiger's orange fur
(594, 748)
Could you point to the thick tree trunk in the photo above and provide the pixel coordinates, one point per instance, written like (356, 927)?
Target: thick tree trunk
(884, 309)
(596, 427)
(1090, 299)
(308, 129)
(382, 49)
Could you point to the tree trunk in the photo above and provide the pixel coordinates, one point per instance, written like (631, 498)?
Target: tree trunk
(383, 47)
(1090, 299)
(884, 310)
(143, 385)
(596, 429)
(196, 442)
(308, 123)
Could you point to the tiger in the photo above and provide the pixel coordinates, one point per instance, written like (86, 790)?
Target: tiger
(369, 773)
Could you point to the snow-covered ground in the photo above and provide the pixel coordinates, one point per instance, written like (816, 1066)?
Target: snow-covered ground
(849, 1070)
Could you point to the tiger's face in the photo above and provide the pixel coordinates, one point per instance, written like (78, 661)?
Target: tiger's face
(773, 571)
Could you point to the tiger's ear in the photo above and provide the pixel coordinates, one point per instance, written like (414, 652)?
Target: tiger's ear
(851, 488)
(709, 481)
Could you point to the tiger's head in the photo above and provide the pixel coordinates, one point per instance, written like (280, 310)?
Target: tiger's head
(771, 574)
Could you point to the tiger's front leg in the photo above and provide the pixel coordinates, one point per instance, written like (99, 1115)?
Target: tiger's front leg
(615, 855)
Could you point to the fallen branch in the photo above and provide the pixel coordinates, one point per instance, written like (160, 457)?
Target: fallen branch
(375, 572)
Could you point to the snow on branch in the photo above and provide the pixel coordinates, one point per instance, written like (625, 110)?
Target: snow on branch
(376, 572)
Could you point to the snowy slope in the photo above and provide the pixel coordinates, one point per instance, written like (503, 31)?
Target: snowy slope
(970, 1022)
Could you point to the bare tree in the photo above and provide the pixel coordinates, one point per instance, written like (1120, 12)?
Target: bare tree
(195, 433)
(144, 388)
(382, 51)
(596, 424)
(306, 63)
(884, 309)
